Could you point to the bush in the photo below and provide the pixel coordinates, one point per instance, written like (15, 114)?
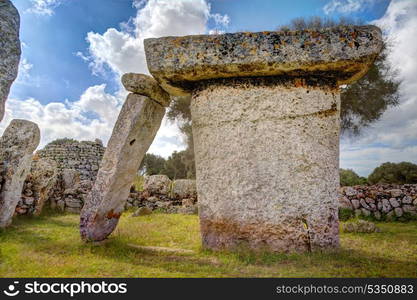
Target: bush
(138, 183)
(63, 141)
(345, 214)
(349, 178)
(394, 173)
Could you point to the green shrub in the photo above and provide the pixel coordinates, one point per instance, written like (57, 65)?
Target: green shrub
(394, 173)
(349, 178)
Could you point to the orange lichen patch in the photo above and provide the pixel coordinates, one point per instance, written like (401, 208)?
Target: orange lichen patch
(111, 214)
(299, 82)
(288, 236)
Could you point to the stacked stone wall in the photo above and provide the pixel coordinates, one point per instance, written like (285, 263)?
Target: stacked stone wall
(381, 201)
(84, 157)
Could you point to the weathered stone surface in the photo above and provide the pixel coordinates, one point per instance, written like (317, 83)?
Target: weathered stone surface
(134, 131)
(356, 204)
(42, 178)
(386, 206)
(17, 144)
(360, 226)
(84, 156)
(157, 184)
(394, 202)
(345, 203)
(147, 86)
(341, 53)
(407, 200)
(70, 178)
(142, 211)
(184, 188)
(254, 190)
(395, 193)
(9, 49)
(398, 211)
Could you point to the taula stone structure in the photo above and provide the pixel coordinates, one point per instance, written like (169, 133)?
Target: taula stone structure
(265, 116)
(135, 129)
(17, 144)
(10, 49)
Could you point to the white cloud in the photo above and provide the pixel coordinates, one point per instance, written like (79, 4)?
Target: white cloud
(122, 50)
(68, 119)
(43, 7)
(347, 6)
(394, 137)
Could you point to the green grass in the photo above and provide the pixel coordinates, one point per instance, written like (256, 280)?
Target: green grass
(49, 246)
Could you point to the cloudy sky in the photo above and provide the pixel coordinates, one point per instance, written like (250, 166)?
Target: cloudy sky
(74, 52)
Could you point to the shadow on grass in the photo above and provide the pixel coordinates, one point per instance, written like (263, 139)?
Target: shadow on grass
(59, 237)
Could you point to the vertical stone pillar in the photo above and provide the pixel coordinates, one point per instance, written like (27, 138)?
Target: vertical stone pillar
(17, 144)
(10, 49)
(133, 133)
(265, 115)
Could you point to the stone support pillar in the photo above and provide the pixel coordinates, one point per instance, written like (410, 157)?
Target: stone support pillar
(133, 133)
(266, 117)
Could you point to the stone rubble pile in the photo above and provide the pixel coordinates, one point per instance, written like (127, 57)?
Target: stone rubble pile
(382, 201)
(178, 196)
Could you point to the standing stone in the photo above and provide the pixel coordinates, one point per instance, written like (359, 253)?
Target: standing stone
(43, 177)
(266, 117)
(133, 133)
(17, 144)
(9, 49)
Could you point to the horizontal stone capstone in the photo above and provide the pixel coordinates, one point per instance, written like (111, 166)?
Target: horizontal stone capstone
(342, 53)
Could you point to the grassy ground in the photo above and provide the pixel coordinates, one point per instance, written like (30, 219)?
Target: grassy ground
(51, 247)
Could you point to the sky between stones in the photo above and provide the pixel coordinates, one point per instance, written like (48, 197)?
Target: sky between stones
(74, 52)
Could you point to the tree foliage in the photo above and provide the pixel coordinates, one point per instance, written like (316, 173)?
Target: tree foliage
(364, 101)
(349, 178)
(394, 173)
(152, 164)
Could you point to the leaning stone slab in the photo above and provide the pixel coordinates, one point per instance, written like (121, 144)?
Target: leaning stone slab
(342, 53)
(266, 116)
(10, 49)
(147, 86)
(17, 144)
(133, 133)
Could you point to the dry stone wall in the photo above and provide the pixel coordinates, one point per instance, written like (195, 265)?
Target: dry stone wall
(178, 196)
(84, 157)
(61, 176)
(383, 202)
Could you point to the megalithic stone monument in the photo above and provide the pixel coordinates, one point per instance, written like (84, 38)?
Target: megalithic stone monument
(10, 49)
(135, 129)
(17, 144)
(266, 117)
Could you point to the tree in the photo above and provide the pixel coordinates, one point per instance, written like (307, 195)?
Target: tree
(394, 173)
(152, 164)
(175, 167)
(349, 178)
(364, 101)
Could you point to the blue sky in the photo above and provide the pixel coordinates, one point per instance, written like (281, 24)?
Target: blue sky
(74, 52)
